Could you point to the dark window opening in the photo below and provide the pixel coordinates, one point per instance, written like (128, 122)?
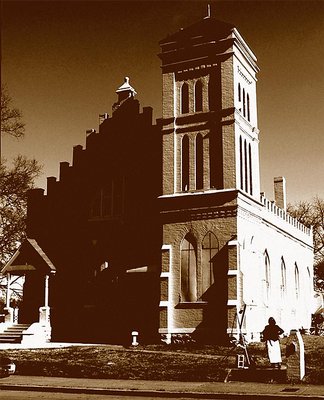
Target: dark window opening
(199, 162)
(244, 105)
(248, 106)
(185, 163)
(209, 250)
(216, 158)
(241, 165)
(250, 169)
(188, 270)
(198, 96)
(245, 167)
(185, 98)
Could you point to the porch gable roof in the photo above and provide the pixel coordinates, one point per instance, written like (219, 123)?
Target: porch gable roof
(29, 257)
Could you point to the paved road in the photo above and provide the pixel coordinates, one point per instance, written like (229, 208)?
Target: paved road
(33, 387)
(13, 395)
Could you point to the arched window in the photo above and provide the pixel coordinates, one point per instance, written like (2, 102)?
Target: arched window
(185, 163)
(184, 98)
(296, 281)
(250, 169)
(267, 276)
(210, 248)
(248, 106)
(244, 105)
(199, 162)
(198, 96)
(188, 270)
(239, 92)
(246, 167)
(241, 165)
(283, 283)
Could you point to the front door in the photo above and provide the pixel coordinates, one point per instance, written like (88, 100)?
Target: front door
(33, 298)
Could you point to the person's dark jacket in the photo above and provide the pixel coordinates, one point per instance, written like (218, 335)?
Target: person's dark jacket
(272, 332)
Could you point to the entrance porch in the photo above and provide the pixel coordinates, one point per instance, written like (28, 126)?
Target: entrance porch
(33, 315)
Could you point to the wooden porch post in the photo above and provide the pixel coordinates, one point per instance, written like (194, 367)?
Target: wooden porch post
(8, 309)
(8, 291)
(46, 290)
(44, 312)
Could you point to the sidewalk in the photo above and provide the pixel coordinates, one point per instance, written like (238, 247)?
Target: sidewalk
(230, 390)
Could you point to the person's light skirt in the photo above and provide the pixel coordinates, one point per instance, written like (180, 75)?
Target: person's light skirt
(274, 352)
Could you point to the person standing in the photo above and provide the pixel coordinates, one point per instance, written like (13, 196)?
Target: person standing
(271, 335)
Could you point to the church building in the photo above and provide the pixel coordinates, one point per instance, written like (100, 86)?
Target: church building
(161, 227)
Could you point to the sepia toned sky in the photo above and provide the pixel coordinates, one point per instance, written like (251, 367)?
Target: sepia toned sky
(63, 60)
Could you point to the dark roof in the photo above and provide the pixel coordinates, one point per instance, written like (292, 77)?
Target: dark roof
(208, 27)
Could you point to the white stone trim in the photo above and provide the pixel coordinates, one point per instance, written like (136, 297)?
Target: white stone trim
(168, 304)
(182, 330)
(232, 272)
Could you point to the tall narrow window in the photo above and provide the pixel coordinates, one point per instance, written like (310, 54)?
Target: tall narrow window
(185, 163)
(198, 96)
(244, 105)
(210, 248)
(239, 92)
(199, 162)
(267, 276)
(248, 106)
(283, 284)
(296, 281)
(245, 167)
(250, 169)
(241, 165)
(184, 98)
(108, 201)
(188, 270)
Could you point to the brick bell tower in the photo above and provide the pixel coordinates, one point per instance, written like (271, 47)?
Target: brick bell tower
(210, 155)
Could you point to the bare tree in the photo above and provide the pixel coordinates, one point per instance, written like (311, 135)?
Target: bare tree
(15, 181)
(311, 213)
(11, 117)
(14, 184)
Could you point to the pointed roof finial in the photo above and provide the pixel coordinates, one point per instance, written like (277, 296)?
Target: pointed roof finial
(124, 92)
(126, 87)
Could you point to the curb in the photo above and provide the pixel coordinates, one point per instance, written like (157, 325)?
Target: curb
(157, 393)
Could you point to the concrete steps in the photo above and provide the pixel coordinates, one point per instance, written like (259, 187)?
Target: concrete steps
(13, 334)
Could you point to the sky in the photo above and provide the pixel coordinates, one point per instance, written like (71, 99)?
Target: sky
(62, 62)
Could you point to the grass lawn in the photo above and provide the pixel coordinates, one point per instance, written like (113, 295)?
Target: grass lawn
(154, 362)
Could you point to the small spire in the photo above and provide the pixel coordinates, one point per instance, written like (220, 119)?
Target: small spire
(124, 92)
(126, 87)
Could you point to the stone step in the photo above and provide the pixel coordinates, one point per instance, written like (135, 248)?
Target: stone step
(10, 339)
(13, 334)
(16, 329)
